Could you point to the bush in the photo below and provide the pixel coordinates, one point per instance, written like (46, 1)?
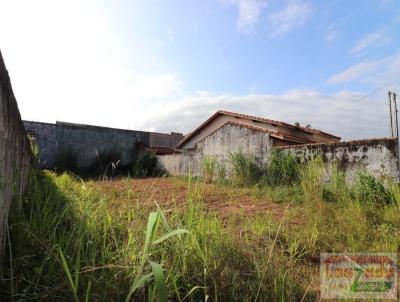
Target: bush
(146, 165)
(245, 170)
(282, 169)
(369, 191)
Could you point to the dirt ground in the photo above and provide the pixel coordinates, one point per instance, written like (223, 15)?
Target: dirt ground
(166, 191)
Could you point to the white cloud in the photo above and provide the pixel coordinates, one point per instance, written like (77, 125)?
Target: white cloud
(295, 14)
(337, 113)
(375, 72)
(374, 39)
(249, 12)
(331, 32)
(65, 63)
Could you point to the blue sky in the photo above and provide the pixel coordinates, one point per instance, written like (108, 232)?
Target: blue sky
(167, 65)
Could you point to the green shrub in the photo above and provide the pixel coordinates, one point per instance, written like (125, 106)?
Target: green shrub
(245, 170)
(146, 165)
(208, 166)
(368, 190)
(282, 169)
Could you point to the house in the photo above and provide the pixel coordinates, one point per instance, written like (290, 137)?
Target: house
(227, 132)
(282, 133)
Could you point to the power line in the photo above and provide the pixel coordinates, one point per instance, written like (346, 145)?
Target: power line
(357, 100)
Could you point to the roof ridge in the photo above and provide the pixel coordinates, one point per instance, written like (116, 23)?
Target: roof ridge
(251, 117)
(312, 130)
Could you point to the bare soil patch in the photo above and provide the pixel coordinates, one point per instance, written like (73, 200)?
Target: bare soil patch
(168, 191)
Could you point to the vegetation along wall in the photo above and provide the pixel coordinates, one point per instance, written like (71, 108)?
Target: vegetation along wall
(89, 147)
(15, 152)
(378, 157)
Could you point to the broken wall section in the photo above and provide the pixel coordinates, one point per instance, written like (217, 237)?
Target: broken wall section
(15, 152)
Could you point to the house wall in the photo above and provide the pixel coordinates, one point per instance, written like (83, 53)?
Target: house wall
(15, 152)
(84, 142)
(376, 156)
(46, 139)
(219, 144)
(222, 119)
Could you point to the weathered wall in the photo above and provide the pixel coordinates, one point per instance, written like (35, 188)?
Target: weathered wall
(81, 141)
(376, 156)
(84, 143)
(15, 153)
(219, 144)
(45, 136)
(180, 164)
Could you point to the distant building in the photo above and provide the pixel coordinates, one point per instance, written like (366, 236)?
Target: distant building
(281, 133)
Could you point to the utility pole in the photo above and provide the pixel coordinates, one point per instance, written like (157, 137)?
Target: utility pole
(390, 113)
(395, 110)
(393, 98)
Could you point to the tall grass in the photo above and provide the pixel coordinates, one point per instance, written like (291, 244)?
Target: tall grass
(65, 239)
(311, 179)
(70, 244)
(208, 165)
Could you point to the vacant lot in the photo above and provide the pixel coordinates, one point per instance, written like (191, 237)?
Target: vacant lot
(186, 240)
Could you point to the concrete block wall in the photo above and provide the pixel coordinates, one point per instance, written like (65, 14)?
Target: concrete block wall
(86, 142)
(180, 164)
(82, 141)
(15, 152)
(376, 156)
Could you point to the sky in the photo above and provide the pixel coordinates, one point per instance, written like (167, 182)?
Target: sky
(167, 65)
